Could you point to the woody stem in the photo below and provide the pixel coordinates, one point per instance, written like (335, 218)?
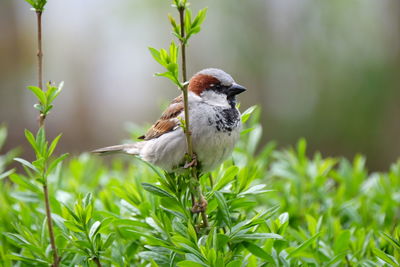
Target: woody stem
(194, 172)
(56, 258)
(40, 59)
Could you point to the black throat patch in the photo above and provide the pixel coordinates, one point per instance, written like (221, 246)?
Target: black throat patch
(226, 119)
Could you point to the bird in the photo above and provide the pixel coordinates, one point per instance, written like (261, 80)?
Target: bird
(215, 125)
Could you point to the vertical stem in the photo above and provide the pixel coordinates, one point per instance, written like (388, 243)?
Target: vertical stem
(40, 52)
(97, 261)
(40, 59)
(201, 199)
(184, 78)
(56, 258)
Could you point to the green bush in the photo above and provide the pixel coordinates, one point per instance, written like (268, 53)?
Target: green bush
(266, 208)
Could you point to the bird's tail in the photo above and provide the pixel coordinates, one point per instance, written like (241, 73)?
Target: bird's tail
(133, 149)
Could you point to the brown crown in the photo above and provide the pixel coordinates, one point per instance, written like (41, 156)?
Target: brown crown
(200, 82)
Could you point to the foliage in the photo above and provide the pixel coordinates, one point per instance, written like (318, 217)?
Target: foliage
(37, 5)
(271, 207)
(46, 98)
(183, 34)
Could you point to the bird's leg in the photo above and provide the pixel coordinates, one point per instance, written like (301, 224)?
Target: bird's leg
(193, 200)
(192, 163)
(200, 205)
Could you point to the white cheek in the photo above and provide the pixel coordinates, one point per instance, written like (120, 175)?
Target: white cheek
(214, 99)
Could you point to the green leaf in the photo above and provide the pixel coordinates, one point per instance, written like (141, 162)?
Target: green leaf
(188, 20)
(173, 53)
(72, 213)
(41, 141)
(31, 139)
(6, 174)
(37, 5)
(395, 243)
(109, 240)
(31, 2)
(228, 176)
(235, 263)
(40, 95)
(223, 207)
(170, 76)
(27, 164)
(187, 263)
(53, 92)
(199, 19)
(156, 190)
(246, 115)
(73, 226)
(336, 259)
(258, 252)
(303, 246)
(385, 257)
(37, 261)
(255, 190)
(25, 183)
(53, 145)
(255, 236)
(94, 229)
(39, 163)
(57, 161)
(39, 107)
(156, 55)
(342, 242)
(87, 200)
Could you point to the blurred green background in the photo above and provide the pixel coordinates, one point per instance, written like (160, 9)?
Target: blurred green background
(328, 71)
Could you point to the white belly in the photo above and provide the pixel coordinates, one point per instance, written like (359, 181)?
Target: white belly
(211, 145)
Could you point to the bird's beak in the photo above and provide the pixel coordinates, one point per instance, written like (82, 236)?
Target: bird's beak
(235, 89)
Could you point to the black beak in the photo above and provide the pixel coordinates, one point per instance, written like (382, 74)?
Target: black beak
(235, 89)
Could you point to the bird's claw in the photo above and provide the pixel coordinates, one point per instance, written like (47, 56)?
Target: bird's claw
(200, 206)
(192, 163)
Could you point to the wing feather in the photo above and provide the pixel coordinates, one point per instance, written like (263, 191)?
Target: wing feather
(168, 121)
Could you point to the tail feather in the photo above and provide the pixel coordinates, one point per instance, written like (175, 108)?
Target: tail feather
(133, 149)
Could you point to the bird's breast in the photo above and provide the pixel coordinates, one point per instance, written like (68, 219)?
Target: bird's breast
(215, 131)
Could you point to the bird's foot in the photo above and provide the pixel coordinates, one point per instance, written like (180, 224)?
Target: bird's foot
(200, 206)
(192, 163)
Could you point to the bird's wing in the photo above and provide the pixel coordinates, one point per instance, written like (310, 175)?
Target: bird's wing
(168, 121)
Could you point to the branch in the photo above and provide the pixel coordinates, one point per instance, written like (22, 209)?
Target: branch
(42, 117)
(40, 60)
(201, 201)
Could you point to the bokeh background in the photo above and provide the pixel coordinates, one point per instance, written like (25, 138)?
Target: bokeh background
(328, 71)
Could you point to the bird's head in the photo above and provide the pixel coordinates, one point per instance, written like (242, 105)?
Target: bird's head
(215, 86)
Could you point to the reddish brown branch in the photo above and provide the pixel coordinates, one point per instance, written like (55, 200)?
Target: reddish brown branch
(192, 156)
(40, 60)
(56, 258)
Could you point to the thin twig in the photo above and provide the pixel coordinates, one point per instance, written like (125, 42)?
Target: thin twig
(56, 258)
(185, 88)
(201, 199)
(97, 261)
(40, 60)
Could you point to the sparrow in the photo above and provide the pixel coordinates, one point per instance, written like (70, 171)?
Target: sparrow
(215, 125)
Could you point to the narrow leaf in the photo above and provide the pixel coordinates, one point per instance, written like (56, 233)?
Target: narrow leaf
(156, 190)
